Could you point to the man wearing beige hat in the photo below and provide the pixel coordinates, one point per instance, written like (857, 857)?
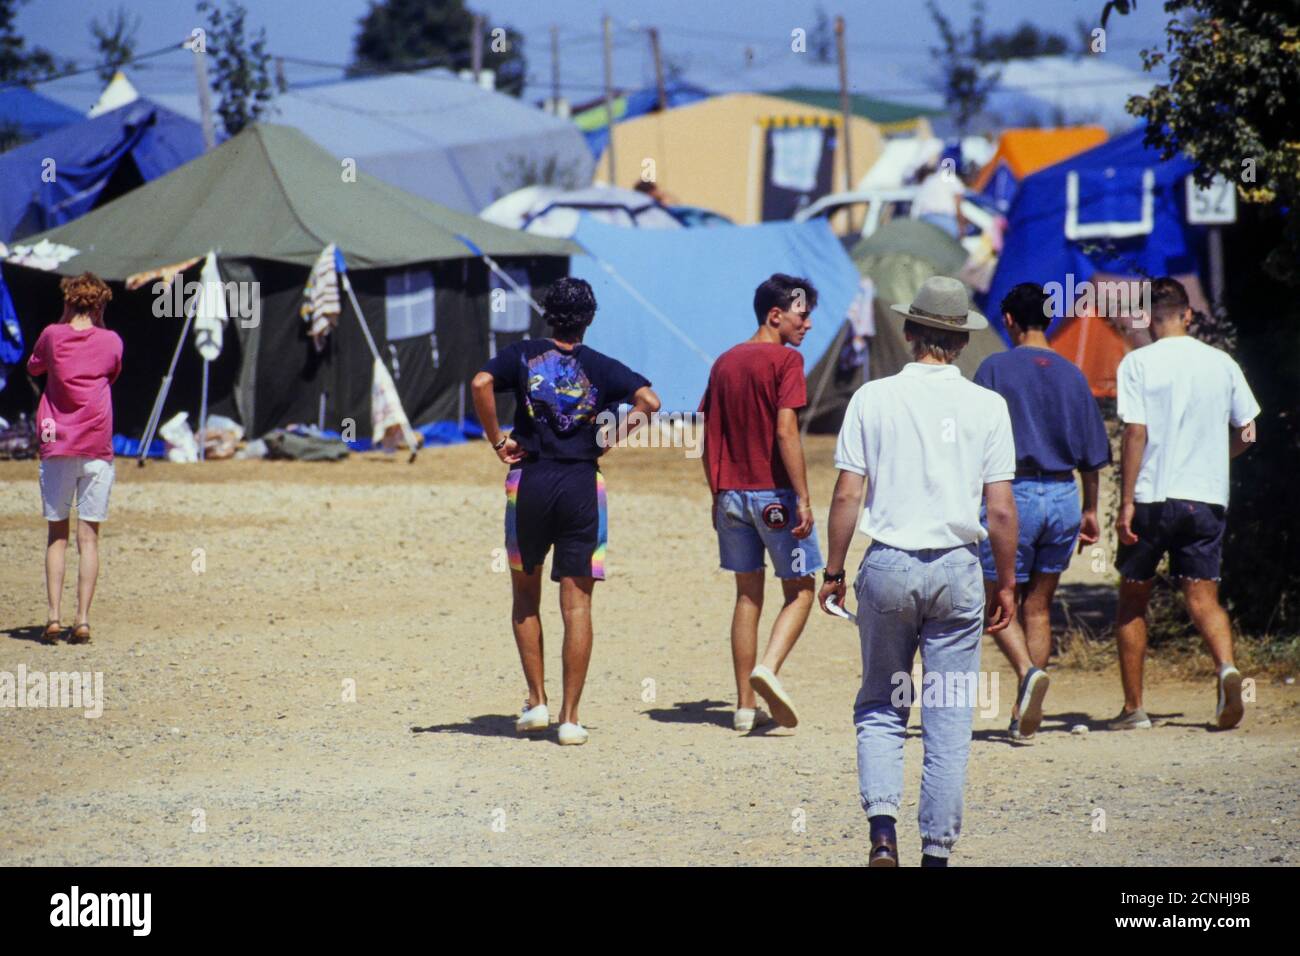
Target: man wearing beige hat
(926, 445)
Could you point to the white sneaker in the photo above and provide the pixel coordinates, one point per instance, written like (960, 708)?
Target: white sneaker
(747, 718)
(768, 685)
(1230, 709)
(572, 735)
(533, 719)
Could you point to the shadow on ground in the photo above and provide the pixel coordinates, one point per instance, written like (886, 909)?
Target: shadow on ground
(706, 711)
(27, 632)
(485, 725)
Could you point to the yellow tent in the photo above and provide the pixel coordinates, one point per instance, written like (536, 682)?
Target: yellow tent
(711, 153)
(1026, 151)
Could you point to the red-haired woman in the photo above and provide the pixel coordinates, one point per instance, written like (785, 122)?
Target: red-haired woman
(75, 424)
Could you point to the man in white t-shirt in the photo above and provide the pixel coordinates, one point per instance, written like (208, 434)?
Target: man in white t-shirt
(1186, 410)
(928, 445)
(938, 200)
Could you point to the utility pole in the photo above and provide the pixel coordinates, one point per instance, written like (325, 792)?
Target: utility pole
(205, 94)
(476, 50)
(845, 113)
(609, 95)
(555, 69)
(659, 68)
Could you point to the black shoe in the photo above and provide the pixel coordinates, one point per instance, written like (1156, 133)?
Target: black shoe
(884, 852)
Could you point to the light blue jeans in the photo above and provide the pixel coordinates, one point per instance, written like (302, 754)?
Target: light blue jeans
(933, 599)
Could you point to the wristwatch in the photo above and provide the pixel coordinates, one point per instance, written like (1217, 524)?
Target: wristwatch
(836, 578)
(502, 443)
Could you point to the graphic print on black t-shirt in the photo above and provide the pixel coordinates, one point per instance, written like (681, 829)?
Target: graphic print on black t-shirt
(559, 392)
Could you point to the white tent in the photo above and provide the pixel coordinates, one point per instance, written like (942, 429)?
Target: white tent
(118, 92)
(552, 212)
(432, 134)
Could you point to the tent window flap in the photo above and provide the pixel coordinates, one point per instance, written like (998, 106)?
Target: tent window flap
(1111, 227)
(408, 304)
(508, 310)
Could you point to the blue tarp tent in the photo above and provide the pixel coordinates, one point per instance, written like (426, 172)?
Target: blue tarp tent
(1117, 209)
(593, 121)
(33, 114)
(11, 335)
(694, 290)
(94, 161)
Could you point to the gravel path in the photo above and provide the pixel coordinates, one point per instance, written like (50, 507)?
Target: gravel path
(230, 733)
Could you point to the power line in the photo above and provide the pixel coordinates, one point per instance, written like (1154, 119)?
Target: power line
(78, 71)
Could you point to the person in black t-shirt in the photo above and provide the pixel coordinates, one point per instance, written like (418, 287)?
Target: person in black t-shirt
(555, 492)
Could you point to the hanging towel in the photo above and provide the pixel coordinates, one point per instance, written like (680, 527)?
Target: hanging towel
(210, 315)
(796, 156)
(321, 305)
(389, 423)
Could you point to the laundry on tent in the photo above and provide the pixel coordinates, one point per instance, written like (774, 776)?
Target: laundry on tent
(271, 204)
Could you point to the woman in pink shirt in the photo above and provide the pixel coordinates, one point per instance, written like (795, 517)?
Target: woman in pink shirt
(75, 424)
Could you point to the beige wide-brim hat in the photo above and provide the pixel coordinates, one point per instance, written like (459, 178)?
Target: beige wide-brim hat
(943, 303)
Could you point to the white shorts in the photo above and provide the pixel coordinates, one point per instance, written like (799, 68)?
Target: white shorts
(90, 479)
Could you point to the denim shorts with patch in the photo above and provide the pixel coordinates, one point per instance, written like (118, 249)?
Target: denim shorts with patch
(1049, 515)
(751, 523)
(1191, 531)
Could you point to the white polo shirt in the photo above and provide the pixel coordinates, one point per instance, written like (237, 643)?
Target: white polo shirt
(1186, 393)
(927, 441)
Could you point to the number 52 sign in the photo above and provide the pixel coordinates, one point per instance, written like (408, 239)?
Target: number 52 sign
(1214, 205)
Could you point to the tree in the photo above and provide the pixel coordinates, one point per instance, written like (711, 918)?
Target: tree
(241, 76)
(20, 63)
(1230, 103)
(115, 41)
(964, 80)
(1023, 42)
(417, 34)
(821, 39)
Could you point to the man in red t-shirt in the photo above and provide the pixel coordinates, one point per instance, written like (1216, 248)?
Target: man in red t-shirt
(754, 463)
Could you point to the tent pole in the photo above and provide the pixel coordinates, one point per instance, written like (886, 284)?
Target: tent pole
(408, 433)
(821, 385)
(203, 414)
(156, 414)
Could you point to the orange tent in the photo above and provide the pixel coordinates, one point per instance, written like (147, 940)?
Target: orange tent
(1096, 347)
(1025, 151)
(1097, 343)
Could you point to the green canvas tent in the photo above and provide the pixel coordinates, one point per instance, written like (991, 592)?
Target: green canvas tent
(268, 201)
(897, 257)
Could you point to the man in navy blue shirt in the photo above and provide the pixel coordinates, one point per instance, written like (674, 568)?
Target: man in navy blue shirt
(555, 492)
(1058, 430)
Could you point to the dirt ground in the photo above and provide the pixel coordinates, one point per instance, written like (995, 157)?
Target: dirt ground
(227, 736)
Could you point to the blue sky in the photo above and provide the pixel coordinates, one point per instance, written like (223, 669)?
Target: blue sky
(888, 41)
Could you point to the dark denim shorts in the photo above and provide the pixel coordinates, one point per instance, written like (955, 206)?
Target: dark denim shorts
(1190, 531)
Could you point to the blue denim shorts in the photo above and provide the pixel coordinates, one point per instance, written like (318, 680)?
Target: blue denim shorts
(751, 522)
(1049, 515)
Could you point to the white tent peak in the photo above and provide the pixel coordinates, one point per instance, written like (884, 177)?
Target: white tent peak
(118, 92)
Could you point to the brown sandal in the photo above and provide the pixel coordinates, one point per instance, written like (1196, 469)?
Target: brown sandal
(53, 629)
(80, 634)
